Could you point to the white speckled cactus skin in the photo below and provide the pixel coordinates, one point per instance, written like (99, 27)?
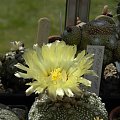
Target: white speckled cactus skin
(6, 114)
(86, 107)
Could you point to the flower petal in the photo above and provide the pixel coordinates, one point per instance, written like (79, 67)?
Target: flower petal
(60, 92)
(42, 65)
(20, 66)
(69, 93)
(84, 81)
(29, 91)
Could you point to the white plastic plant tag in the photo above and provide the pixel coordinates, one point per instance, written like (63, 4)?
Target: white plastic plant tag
(117, 66)
(98, 52)
(43, 31)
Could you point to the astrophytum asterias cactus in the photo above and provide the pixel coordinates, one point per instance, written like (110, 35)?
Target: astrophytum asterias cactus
(58, 73)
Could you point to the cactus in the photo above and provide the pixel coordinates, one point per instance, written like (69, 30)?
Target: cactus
(59, 78)
(11, 83)
(101, 31)
(72, 35)
(85, 107)
(7, 114)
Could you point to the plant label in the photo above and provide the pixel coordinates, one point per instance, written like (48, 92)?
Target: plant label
(98, 52)
(43, 31)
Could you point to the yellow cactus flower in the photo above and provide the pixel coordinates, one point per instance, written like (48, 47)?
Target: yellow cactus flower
(55, 68)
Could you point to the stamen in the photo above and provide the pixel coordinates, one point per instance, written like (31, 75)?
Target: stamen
(56, 74)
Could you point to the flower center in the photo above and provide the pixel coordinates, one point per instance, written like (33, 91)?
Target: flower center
(56, 74)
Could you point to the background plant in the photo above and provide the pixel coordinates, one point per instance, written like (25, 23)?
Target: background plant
(18, 18)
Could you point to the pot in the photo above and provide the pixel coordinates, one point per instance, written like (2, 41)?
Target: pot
(115, 114)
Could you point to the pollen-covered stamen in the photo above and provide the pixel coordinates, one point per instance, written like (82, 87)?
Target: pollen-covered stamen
(56, 74)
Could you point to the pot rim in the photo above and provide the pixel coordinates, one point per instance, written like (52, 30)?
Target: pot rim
(114, 112)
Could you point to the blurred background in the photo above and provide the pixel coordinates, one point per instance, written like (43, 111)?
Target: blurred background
(18, 18)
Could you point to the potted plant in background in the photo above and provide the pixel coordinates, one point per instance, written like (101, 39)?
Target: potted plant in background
(10, 83)
(115, 114)
(58, 79)
(12, 89)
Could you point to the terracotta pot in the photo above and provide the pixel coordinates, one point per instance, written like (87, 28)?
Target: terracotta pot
(115, 113)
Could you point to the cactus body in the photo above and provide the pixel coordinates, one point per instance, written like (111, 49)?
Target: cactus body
(7, 114)
(85, 107)
(101, 31)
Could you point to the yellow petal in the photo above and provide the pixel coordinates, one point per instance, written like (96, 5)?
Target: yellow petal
(69, 93)
(84, 81)
(33, 62)
(60, 92)
(29, 91)
(52, 92)
(20, 66)
(76, 90)
(39, 90)
(80, 56)
(23, 75)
